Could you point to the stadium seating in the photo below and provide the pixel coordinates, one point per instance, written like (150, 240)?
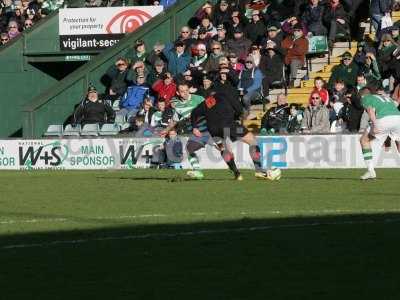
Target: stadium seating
(54, 130)
(72, 130)
(109, 129)
(90, 130)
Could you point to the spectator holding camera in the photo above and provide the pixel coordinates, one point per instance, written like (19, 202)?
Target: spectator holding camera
(156, 54)
(276, 119)
(316, 117)
(138, 53)
(119, 77)
(362, 49)
(370, 70)
(385, 54)
(273, 35)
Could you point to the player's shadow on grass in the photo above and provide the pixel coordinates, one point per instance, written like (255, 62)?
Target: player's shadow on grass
(285, 258)
(166, 179)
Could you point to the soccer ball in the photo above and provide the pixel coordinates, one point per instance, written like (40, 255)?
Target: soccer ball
(274, 174)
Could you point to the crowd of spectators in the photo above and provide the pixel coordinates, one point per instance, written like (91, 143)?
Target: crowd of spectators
(247, 47)
(19, 15)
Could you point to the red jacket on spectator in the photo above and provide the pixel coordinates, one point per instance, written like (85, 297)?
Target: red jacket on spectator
(296, 49)
(323, 93)
(165, 91)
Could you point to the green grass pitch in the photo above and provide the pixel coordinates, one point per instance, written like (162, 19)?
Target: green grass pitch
(144, 234)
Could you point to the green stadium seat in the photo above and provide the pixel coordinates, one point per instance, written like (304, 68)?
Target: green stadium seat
(90, 129)
(70, 130)
(119, 119)
(54, 130)
(109, 129)
(115, 105)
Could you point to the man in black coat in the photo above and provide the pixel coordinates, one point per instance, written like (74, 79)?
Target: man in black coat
(312, 18)
(93, 110)
(276, 118)
(271, 66)
(336, 20)
(256, 29)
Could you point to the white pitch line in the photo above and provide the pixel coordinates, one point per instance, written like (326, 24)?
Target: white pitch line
(212, 213)
(33, 221)
(194, 233)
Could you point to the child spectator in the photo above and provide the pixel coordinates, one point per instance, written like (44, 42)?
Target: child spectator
(163, 116)
(295, 118)
(319, 87)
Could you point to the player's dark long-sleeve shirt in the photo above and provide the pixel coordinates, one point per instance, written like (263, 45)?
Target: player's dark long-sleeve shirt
(219, 109)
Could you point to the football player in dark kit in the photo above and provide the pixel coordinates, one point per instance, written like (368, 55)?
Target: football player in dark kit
(222, 110)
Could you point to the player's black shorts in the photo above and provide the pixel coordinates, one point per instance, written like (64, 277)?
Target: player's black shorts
(234, 132)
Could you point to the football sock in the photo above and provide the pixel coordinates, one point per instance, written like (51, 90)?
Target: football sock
(255, 155)
(194, 161)
(367, 154)
(230, 161)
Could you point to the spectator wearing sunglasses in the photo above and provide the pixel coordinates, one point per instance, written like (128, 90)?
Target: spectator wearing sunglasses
(13, 30)
(316, 117)
(346, 71)
(250, 82)
(119, 76)
(28, 24)
(212, 64)
(185, 36)
(4, 38)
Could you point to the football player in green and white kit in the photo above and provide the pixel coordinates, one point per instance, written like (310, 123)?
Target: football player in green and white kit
(183, 106)
(385, 121)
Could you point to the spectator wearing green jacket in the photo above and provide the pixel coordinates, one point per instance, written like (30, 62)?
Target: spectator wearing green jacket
(346, 71)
